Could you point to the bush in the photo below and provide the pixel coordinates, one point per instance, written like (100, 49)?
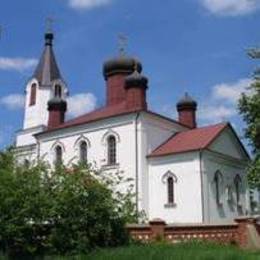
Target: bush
(61, 211)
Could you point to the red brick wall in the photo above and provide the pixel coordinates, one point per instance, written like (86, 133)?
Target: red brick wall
(226, 234)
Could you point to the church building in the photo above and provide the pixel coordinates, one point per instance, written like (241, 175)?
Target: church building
(182, 173)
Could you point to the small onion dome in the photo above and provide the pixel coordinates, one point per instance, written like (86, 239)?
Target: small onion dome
(119, 65)
(49, 38)
(136, 80)
(187, 103)
(57, 103)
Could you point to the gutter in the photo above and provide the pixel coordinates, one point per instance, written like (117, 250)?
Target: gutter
(136, 162)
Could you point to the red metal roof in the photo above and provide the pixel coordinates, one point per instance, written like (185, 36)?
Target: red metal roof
(102, 113)
(190, 140)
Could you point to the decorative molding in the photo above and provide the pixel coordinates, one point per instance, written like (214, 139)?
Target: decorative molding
(167, 175)
(109, 133)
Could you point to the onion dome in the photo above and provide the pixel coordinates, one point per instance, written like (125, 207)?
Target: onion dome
(57, 103)
(136, 80)
(122, 64)
(187, 102)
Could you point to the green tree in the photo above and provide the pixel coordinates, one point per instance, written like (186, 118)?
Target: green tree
(249, 106)
(62, 211)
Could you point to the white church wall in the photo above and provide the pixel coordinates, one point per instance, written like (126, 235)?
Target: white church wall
(188, 203)
(227, 144)
(228, 208)
(152, 132)
(95, 133)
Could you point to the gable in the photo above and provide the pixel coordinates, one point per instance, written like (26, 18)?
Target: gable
(228, 143)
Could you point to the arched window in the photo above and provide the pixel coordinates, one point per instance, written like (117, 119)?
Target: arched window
(218, 181)
(111, 150)
(26, 163)
(83, 151)
(33, 94)
(57, 91)
(170, 187)
(238, 184)
(58, 155)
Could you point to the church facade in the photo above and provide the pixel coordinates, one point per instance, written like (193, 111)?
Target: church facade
(182, 173)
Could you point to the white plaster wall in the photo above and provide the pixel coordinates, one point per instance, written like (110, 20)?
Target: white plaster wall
(26, 137)
(229, 168)
(227, 144)
(38, 114)
(152, 132)
(94, 133)
(186, 168)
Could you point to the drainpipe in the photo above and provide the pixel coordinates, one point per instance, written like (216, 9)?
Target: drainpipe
(136, 161)
(202, 188)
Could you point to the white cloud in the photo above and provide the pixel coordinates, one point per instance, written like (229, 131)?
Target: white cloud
(231, 7)
(18, 64)
(222, 102)
(87, 4)
(231, 92)
(81, 103)
(12, 101)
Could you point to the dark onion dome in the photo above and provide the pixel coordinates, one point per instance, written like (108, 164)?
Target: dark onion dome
(121, 64)
(187, 102)
(136, 80)
(57, 103)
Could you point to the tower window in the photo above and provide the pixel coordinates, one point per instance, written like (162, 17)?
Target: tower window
(33, 95)
(170, 187)
(111, 150)
(83, 153)
(58, 155)
(57, 91)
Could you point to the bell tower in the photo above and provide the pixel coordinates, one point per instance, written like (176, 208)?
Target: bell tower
(45, 84)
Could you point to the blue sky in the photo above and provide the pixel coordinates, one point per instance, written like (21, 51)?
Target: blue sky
(197, 46)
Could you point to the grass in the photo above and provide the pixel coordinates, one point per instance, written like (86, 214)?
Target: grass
(182, 251)
(163, 251)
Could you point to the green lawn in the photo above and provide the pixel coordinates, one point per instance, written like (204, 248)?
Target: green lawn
(160, 251)
(192, 251)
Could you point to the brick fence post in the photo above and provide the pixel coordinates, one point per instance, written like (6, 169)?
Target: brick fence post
(242, 234)
(157, 228)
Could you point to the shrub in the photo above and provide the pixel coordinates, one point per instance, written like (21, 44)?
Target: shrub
(60, 211)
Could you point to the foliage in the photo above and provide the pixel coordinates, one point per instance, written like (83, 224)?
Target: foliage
(63, 211)
(249, 106)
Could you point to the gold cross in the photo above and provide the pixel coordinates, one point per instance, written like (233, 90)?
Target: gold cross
(122, 44)
(49, 24)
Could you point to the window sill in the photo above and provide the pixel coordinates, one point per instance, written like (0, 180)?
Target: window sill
(110, 166)
(170, 205)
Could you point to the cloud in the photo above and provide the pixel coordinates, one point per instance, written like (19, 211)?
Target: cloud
(13, 101)
(222, 102)
(231, 92)
(231, 7)
(81, 103)
(88, 4)
(18, 64)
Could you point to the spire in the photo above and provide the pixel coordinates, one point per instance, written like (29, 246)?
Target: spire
(47, 69)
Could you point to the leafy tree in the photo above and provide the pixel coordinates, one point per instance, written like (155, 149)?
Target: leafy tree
(65, 211)
(249, 106)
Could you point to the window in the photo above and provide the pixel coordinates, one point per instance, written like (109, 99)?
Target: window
(111, 150)
(57, 91)
(26, 163)
(83, 151)
(58, 155)
(33, 95)
(218, 186)
(238, 183)
(170, 187)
